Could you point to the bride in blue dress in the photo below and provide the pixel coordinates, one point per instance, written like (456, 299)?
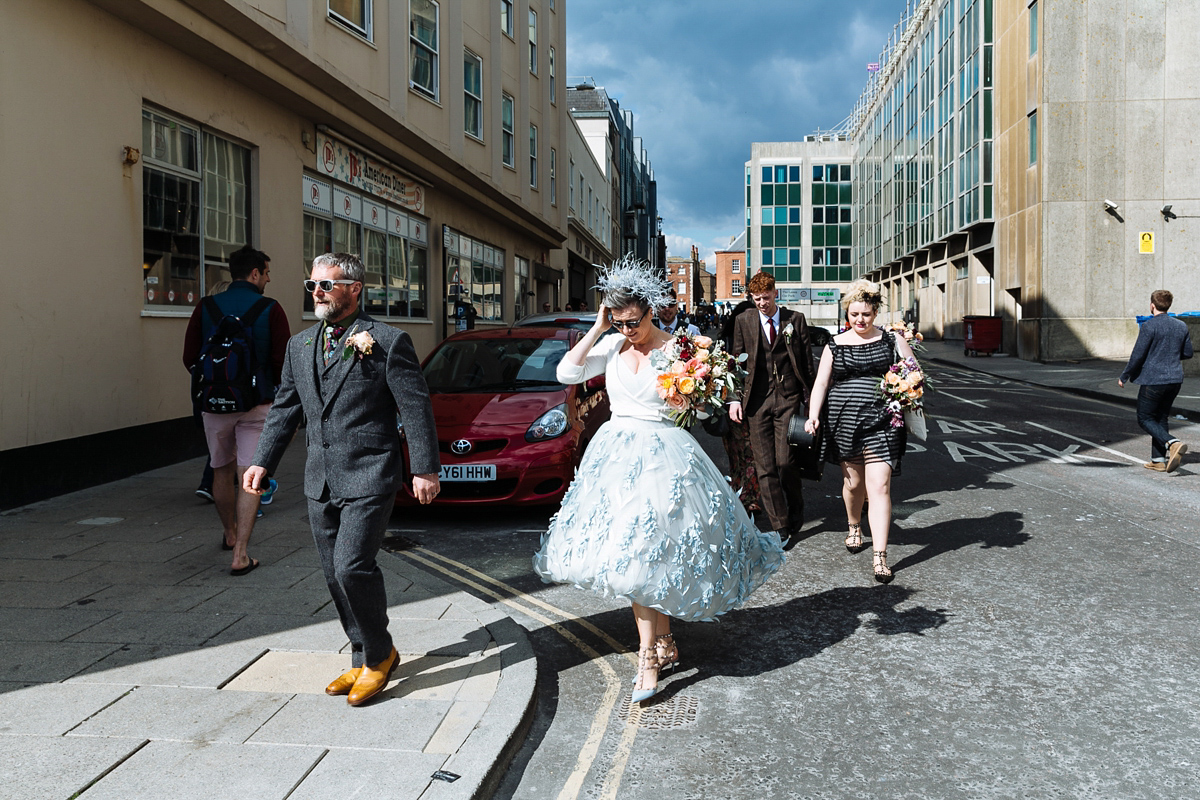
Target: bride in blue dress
(649, 517)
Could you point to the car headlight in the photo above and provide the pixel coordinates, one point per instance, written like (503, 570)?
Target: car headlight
(549, 425)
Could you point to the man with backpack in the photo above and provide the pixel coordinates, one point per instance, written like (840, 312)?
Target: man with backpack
(235, 346)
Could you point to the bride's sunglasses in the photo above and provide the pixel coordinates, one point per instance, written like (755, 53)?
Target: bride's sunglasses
(630, 324)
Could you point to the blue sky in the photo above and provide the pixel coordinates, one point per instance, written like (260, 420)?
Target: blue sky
(705, 78)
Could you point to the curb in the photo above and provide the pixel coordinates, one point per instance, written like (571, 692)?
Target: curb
(484, 757)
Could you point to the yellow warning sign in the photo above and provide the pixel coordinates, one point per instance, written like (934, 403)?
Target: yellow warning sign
(1146, 242)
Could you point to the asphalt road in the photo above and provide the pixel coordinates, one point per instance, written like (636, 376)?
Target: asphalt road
(1038, 640)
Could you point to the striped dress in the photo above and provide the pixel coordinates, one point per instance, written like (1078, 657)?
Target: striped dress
(857, 427)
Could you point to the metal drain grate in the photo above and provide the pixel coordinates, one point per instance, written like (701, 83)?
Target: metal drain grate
(674, 712)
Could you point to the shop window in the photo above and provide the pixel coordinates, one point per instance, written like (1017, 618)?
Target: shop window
(196, 201)
(423, 38)
(508, 142)
(476, 272)
(473, 94)
(354, 14)
(522, 295)
(392, 243)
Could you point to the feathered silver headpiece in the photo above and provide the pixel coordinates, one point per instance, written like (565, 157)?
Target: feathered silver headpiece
(636, 277)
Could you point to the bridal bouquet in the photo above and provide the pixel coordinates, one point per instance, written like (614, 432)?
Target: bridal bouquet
(910, 334)
(903, 391)
(697, 377)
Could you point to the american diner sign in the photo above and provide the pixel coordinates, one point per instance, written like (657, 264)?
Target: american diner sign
(354, 167)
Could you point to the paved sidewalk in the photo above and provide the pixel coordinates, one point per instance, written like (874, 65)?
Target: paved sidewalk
(133, 665)
(1096, 378)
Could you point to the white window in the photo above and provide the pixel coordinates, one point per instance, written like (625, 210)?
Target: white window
(506, 17)
(736, 289)
(553, 93)
(533, 181)
(354, 14)
(423, 37)
(533, 41)
(553, 182)
(571, 184)
(589, 208)
(508, 143)
(736, 265)
(473, 94)
(195, 210)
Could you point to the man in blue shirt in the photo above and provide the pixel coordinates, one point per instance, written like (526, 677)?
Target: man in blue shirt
(1155, 365)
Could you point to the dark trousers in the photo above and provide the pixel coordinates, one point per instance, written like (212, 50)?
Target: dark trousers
(1153, 412)
(348, 534)
(774, 461)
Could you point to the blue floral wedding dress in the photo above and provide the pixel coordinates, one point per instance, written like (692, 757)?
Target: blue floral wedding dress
(649, 517)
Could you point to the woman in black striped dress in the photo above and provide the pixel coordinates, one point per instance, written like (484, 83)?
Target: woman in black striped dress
(860, 436)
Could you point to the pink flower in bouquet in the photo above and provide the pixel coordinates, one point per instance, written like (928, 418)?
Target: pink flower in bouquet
(702, 341)
(677, 402)
(702, 355)
(666, 385)
(697, 368)
(679, 368)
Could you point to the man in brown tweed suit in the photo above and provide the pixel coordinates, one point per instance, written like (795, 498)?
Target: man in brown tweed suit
(779, 382)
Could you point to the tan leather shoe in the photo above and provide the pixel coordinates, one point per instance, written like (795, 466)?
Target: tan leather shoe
(343, 683)
(372, 680)
(1175, 455)
(1157, 466)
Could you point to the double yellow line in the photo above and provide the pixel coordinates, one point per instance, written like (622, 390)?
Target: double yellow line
(613, 685)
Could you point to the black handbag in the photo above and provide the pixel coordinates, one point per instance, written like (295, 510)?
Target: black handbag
(808, 447)
(716, 424)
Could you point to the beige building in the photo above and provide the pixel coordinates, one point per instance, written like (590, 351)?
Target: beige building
(144, 140)
(590, 234)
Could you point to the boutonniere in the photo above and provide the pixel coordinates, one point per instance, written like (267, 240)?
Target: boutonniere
(308, 341)
(360, 343)
(788, 330)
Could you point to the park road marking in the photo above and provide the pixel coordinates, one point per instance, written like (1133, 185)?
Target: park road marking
(1089, 444)
(961, 399)
(613, 688)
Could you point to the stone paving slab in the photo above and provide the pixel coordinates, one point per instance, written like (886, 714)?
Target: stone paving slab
(157, 627)
(170, 665)
(369, 774)
(49, 624)
(43, 570)
(41, 768)
(39, 594)
(191, 771)
(51, 709)
(285, 632)
(48, 662)
(185, 715)
(126, 597)
(331, 722)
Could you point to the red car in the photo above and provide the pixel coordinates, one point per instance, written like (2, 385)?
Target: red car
(508, 431)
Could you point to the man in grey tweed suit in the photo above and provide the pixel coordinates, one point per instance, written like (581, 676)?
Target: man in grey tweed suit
(348, 376)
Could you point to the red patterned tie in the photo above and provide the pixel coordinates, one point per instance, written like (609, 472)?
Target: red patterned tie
(771, 331)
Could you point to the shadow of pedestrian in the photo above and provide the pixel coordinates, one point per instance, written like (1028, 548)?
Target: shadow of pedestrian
(1002, 529)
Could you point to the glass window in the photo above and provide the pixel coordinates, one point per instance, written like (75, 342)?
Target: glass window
(845, 214)
(423, 37)
(818, 235)
(533, 176)
(818, 256)
(767, 195)
(508, 143)
(736, 288)
(736, 265)
(506, 16)
(818, 194)
(781, 197)
(794, 174)
(1033, 139)
(768, 257)
(768, 215)
(818, 215)
(1033, 29)
(780, 173)
(845, 172)
(375, 282)
(767, 234)
(346, 236)
(831, 256)
(793, 235)
(553, 182)
(522, 299)
(473, 91)
(553, 89)
(818, 173)
(318, 239)
(354, 14)
(767, 174)
(780, 256)
(533, 59)
(794, 195)
(193, 182)
(794, 258)
(845, 255)
(793, 216)
(780, 215)
(831, 215)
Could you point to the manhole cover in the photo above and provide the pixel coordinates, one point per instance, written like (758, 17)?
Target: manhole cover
(674, 712)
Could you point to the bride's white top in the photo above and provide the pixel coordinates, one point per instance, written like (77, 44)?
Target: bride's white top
(630, 394)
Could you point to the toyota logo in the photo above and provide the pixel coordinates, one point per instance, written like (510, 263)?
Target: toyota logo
(460, 447)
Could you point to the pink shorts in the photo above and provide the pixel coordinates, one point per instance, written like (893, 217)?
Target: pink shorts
(234, 436)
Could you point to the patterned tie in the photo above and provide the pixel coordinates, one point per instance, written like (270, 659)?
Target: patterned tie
(771, 331)
(331, 339)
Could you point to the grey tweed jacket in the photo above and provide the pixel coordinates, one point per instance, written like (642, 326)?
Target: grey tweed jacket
(351, 407)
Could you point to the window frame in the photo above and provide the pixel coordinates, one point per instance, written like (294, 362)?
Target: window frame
(468, 97)
(507, 14)
(553, 91)
(735, 266)
(433, 93)
(508, 131)
(1032, 130)
(533, 156)
(553, 177)
(366, 30)
(533, 34)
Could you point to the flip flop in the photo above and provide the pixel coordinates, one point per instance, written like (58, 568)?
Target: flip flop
(225, 545)
(248, 568)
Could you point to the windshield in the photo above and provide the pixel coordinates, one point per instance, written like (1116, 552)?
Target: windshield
(495, 365)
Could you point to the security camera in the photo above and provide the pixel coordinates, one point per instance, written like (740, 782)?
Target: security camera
(1110, 205)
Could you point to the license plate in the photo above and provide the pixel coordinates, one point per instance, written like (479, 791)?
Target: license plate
(468, 472)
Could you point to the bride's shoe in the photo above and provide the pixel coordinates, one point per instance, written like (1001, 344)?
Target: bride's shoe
(854, 542)
(666, 652)
(883, 573)
(647, 662)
